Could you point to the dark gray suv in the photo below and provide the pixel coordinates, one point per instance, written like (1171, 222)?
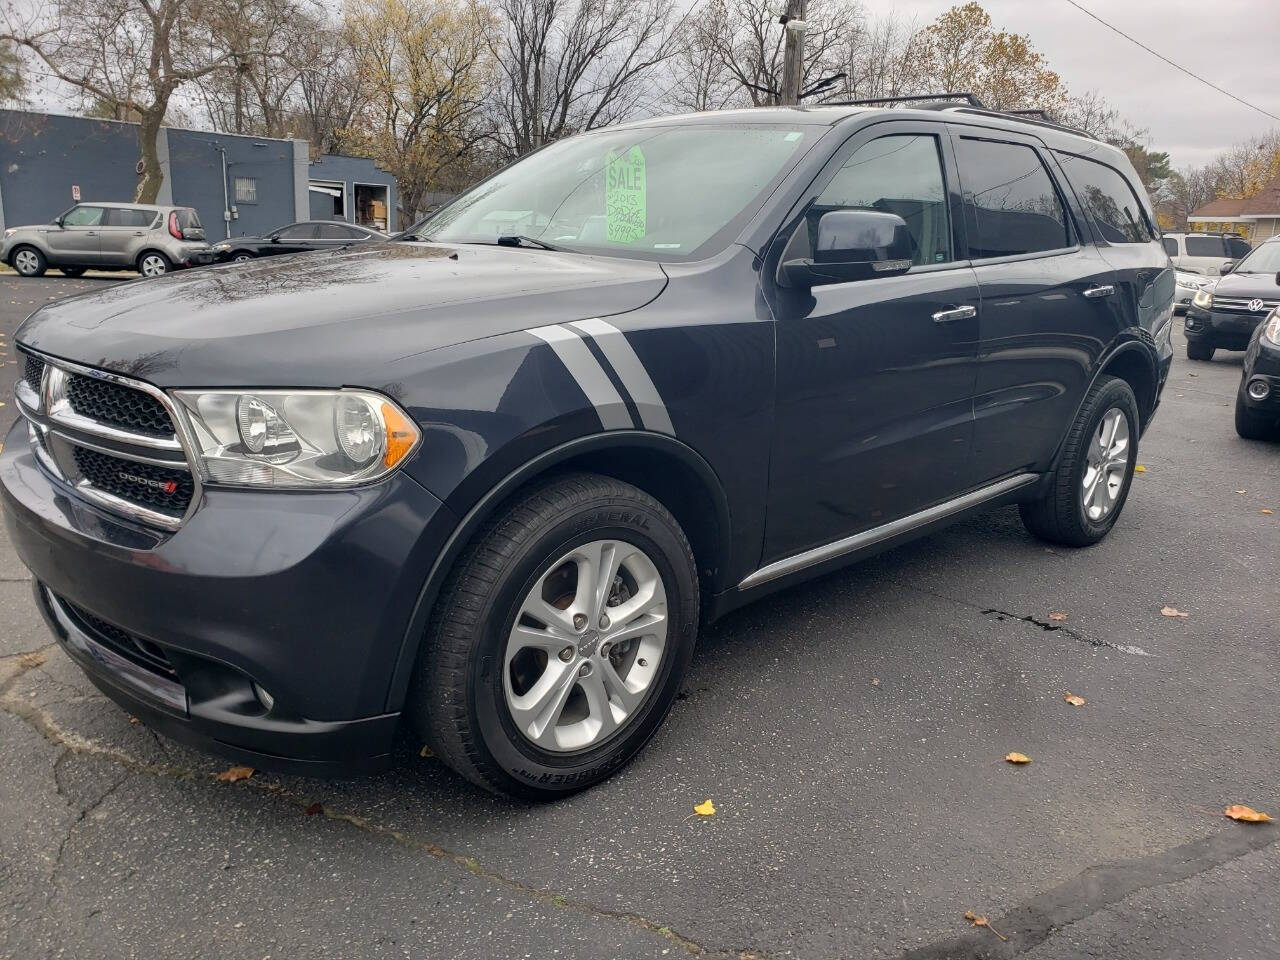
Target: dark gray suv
(486, 483)
(109, 236)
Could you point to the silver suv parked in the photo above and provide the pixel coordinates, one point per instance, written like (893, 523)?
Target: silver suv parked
(109, 236)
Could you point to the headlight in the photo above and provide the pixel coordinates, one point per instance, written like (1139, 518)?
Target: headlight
(295, 438)
(1203, 298)
(1271, 331)
(222, 246)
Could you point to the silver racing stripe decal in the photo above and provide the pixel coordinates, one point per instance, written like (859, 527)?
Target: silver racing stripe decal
(586, 369)
(613, 344)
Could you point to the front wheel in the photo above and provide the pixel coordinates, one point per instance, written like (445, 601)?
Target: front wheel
(1199, 350)
(241, 256)
(1088, 488)
(1251, 426)
(153, 264)
(28, 262)
(560, 640)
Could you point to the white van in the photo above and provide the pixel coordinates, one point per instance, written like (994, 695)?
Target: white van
(1208, 254)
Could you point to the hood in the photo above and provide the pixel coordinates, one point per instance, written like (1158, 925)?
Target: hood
(330, 319)
(1262, 285)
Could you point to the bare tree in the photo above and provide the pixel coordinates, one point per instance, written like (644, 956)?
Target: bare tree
(330, 96)
(571, 65)
(129, 56)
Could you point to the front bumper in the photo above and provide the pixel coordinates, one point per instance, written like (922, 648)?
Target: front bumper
(1226, 329)
(1262, 366)
(307, 595)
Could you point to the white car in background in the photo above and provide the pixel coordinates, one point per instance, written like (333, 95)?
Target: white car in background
(1188, 285)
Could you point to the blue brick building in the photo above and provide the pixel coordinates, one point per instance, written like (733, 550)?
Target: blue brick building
(239, 185)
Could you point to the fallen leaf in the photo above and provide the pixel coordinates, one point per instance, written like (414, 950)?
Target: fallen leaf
(1267, 511)
(315, 809)
(978, 920)
(1238, 811)
(1058, 616)
(1139, 469)
(234, 774)
(29, 661)
(875, 681)
(425, 751)
(707, 809)
(1017, 758)
(1072, 699)
(134, 721)
(1173, 612)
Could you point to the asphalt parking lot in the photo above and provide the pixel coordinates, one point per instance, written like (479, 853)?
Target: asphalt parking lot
(850, 733)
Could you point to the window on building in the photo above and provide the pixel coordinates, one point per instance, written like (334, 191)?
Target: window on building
(246, 189)
(129, 217)
(1010, 201)
(897, 174)
(1109, 200)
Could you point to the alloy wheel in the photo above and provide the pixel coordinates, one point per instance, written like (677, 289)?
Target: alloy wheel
(586, 646)
(1106, 464)
(26, 262)
(153, 265)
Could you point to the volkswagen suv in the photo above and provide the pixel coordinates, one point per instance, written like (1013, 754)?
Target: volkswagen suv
(485, 483)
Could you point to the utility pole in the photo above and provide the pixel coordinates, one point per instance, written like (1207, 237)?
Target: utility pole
(793, 53)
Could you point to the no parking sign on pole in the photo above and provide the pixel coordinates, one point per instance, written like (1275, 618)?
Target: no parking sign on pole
(75, 193)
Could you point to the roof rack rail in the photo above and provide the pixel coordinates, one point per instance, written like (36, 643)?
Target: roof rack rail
(961, 103)
(942, 99)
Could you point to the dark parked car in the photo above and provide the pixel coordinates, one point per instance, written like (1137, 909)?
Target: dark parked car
(1258, 400)
(307, 235)
(1225, 315)
(489, 485)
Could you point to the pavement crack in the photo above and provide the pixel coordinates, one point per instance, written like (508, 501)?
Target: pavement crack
(82, 815)
(1096, 888)
(73, 744)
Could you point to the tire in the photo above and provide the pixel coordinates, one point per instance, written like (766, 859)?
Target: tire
(153, 263)
(1063, 514)
(1199, 350)
(72, 271)
(241, 256)
(1251, 426)
(465, 710)
(28, 262)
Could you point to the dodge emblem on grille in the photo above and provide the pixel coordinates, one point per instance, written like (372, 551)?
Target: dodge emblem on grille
(166, 486)
(1256, 306)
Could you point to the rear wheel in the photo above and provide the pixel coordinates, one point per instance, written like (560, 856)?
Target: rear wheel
(1251, 426)
(1088, 488)
(560, 640)
(1199, 350)
(152, 263)
(72, 271)
(28, 261)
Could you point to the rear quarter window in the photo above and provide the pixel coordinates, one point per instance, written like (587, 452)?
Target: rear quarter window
(1109, 199)
(1171, 246)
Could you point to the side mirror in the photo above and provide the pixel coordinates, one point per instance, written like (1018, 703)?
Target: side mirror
(274, 238)
(1228, 266)
(852, 245)
(57, 221)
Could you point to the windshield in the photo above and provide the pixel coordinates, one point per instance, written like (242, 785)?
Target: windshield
(660, 193)
(1265, 259)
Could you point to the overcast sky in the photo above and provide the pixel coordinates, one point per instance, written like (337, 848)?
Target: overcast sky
(1233, 43)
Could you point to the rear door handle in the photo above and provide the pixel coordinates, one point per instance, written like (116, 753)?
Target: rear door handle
(955, 313)
(1105, 290)
(139, 233)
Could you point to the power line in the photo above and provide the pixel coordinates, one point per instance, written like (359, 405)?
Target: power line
(1176, 66)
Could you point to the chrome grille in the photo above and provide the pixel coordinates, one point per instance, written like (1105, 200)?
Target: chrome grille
(109, 438)
(1241, 305)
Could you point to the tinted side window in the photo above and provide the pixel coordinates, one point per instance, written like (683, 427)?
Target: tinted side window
(1237, 247)
(896, 174)
(336, 231)
(1171, 246)
(83, 217)
(1010, 201)
(1206, 247)
(298, 231)
(129, 218)
(1108, 199)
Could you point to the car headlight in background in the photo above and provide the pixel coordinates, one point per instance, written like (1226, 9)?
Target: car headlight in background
(222, 246)
(295, 438)
(1271, 331)
(1203, 298)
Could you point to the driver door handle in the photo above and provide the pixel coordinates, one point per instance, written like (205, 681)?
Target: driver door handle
(1105, 290)
(965, 312)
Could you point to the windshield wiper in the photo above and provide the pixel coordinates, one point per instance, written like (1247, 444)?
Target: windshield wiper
(520, 240)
